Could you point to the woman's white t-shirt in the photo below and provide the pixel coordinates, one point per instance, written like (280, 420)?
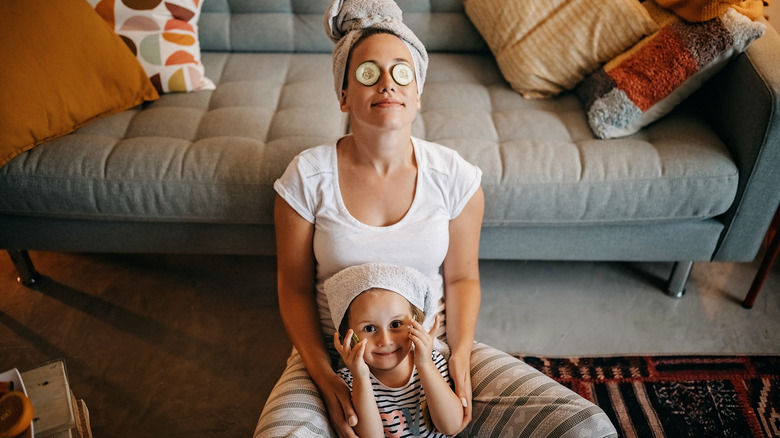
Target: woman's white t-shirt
(445, 184)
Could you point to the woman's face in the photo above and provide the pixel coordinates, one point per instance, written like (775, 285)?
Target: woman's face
(385, 104)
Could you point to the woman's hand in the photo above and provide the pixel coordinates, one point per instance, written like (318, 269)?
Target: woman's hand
(338, 401)
(460, 373)
(352, 356)
(423, 342)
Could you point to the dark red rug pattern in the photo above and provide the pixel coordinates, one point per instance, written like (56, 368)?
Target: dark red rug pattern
(677, 396)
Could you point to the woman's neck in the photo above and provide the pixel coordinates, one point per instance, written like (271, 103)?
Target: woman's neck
(384, 153)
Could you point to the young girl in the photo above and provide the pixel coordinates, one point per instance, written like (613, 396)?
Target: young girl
(400, 384)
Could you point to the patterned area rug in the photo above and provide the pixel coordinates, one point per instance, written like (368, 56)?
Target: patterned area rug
(677, 396)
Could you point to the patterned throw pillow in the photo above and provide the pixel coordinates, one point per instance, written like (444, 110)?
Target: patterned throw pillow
(163, 34)
(650, 79)
(546, 47)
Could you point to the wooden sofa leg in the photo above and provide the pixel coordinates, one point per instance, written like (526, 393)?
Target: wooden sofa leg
(680, 272)
(28, 276)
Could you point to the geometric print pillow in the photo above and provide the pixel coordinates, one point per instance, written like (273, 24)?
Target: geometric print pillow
(647, 81)
(163, 35)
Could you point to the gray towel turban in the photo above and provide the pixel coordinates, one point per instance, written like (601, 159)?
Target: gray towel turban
(348, 283)
(345, 22)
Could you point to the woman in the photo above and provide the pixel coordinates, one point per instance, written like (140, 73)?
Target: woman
(380, 195)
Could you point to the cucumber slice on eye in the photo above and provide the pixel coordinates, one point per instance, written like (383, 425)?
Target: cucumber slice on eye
(402, 74)
(367, 73)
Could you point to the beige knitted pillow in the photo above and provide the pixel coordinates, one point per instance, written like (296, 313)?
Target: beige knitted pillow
(546, 47)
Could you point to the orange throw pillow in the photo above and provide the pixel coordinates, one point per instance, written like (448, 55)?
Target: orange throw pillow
(61, 68)
(703, 10)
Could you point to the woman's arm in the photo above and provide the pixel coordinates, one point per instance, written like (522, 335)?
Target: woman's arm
(462, 294)
(297, 305)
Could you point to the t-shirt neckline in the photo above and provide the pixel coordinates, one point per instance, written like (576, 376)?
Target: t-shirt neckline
(343, 207)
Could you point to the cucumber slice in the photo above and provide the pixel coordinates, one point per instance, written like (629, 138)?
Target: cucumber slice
(367, 73)
(402, 74)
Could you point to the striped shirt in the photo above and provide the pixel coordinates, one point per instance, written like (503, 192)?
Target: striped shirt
(404, 411)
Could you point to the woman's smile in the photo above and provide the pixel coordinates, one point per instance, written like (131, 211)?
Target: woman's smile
(387, 103)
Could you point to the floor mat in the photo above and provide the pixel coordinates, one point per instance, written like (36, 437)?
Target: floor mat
(677, 396)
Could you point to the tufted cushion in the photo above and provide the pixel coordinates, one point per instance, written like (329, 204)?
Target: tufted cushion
(213, 156)
(296, 26)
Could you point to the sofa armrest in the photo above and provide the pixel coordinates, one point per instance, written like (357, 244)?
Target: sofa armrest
(742, 103)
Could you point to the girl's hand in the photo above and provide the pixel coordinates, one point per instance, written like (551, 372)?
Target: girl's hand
(423, 342)
(352, 356)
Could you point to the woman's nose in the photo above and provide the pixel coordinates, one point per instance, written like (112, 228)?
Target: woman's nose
(385, 82)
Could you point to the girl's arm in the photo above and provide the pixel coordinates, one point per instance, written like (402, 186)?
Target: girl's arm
(445, 407)
(369, 423)
(462, 295)
(297, 305)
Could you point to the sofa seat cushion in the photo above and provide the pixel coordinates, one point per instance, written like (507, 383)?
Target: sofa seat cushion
(209, 156)
(543, 166)
(213, 156)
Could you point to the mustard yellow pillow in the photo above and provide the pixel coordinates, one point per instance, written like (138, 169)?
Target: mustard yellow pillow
(546, 47)
(61, 66)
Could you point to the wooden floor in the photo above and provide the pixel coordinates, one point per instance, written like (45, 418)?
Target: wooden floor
(157, 346)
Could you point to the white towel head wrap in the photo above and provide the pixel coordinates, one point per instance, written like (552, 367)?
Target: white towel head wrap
(347, 20)
(348, 283)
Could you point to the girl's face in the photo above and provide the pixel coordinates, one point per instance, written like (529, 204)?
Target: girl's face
(382, 318)
(384, 104)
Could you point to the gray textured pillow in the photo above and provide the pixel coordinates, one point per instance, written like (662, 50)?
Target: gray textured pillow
(650, 79)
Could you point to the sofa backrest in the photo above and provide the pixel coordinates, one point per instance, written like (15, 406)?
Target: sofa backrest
(297, 26)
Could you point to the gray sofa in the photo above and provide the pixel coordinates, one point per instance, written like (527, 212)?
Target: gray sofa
(193, 173)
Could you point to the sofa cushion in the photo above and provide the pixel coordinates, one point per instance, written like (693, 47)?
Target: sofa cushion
(546, 47)
(213, 156)
(208, 156)
(543, 166)
(296, 26)
(61, 68)
(164, 37)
